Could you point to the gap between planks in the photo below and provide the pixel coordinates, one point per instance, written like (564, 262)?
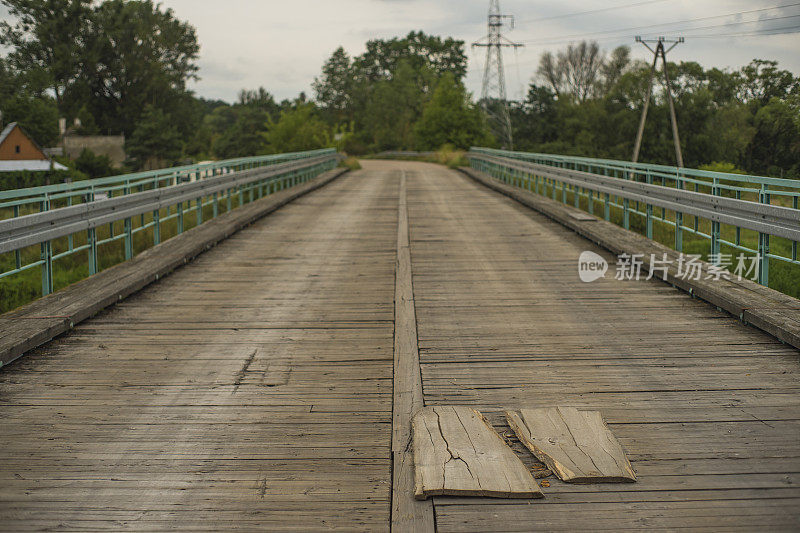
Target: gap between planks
(408, 514)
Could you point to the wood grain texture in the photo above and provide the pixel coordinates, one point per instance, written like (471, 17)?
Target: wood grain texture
(157, 414)
(408, 513)
(458, 453)
(250, 389)
(762, 307)
(576, 445)
(707, 408)
(24, 329)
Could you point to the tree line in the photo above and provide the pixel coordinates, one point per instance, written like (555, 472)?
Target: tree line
(124, 67)
(587, 102)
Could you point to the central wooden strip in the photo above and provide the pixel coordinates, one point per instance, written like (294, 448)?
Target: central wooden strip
(408, 514)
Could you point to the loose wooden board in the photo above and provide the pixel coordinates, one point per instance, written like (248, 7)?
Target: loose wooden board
(458, 453)
(576, 445)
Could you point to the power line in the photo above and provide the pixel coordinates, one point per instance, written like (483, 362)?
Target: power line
(635, 28)
(766, 31)
(625, 36)
(595, 11)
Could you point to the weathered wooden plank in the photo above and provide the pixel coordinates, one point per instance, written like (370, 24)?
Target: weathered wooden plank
(85, 298)
(458, 453)
(765, 308)
(576, 445)
(279, 340)
(408, 513)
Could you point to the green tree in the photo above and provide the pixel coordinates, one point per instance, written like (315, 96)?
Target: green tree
(47, 38)
(245, 137)
(393, 109)
(450, 118)
(334, 88)
(298, 130)
(156, 140)
(94, 166)
(136, 55)
(775, 148)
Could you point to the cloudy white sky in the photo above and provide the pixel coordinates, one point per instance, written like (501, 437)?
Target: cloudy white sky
(281, 45)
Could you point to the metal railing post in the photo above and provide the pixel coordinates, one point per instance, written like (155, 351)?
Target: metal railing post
(678, 216)
(128, 226)
(179, 209)
(649, 211)
(763, 243)
(715, 228)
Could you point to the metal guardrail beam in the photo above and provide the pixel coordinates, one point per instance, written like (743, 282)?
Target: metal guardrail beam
(17, 233)
(764, 218)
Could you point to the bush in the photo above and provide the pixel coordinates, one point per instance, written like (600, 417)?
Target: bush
(94, 166)
(350, 163)
(719, 166)
(448, 155)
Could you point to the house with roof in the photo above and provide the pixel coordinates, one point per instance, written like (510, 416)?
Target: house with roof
(18, 152)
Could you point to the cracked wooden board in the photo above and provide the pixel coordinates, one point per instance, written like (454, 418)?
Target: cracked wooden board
(458, 453)
(576, 445)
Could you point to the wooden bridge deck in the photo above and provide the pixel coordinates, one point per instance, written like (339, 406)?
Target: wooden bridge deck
(253, 388)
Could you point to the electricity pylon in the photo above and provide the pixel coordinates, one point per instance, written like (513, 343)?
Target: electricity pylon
(493, 93)
(661, 52)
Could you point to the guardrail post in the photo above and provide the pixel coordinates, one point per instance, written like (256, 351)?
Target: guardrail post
(649, 210)
(606, 201)
(91, 240)
(47, 257)
(179, 208)
(215, 211)
(576, 192)
(678, 216)
(738, 238)
(70, 240)
(715, 227)
(199, 210)
(128, 228)
(156, 227)
(626, 211)
(763, 243)
(17, 256)
(794, 243)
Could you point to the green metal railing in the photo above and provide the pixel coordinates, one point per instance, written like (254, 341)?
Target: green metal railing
(763, 191)
(17, 204)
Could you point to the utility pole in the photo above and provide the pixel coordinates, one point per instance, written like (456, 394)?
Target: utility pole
(661, 52)
(493, 93)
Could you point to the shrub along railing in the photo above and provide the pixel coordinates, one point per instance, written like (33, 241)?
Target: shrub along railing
(711, 201)
(65, 219)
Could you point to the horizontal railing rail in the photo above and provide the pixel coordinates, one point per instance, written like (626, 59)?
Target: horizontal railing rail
(741, 201)
(66, 212)
(32, 229)
(158, 178)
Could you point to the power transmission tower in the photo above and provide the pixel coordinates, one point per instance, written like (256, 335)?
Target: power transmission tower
(661, 52)
(493, 93)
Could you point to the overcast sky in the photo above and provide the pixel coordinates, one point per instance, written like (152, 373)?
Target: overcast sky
(281, 45)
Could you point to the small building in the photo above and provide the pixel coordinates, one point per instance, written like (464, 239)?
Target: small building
(111, 146)
(18, 152)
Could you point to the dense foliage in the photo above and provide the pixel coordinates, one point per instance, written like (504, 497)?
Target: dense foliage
(747, 118)
(401, 94)
(123, 67)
